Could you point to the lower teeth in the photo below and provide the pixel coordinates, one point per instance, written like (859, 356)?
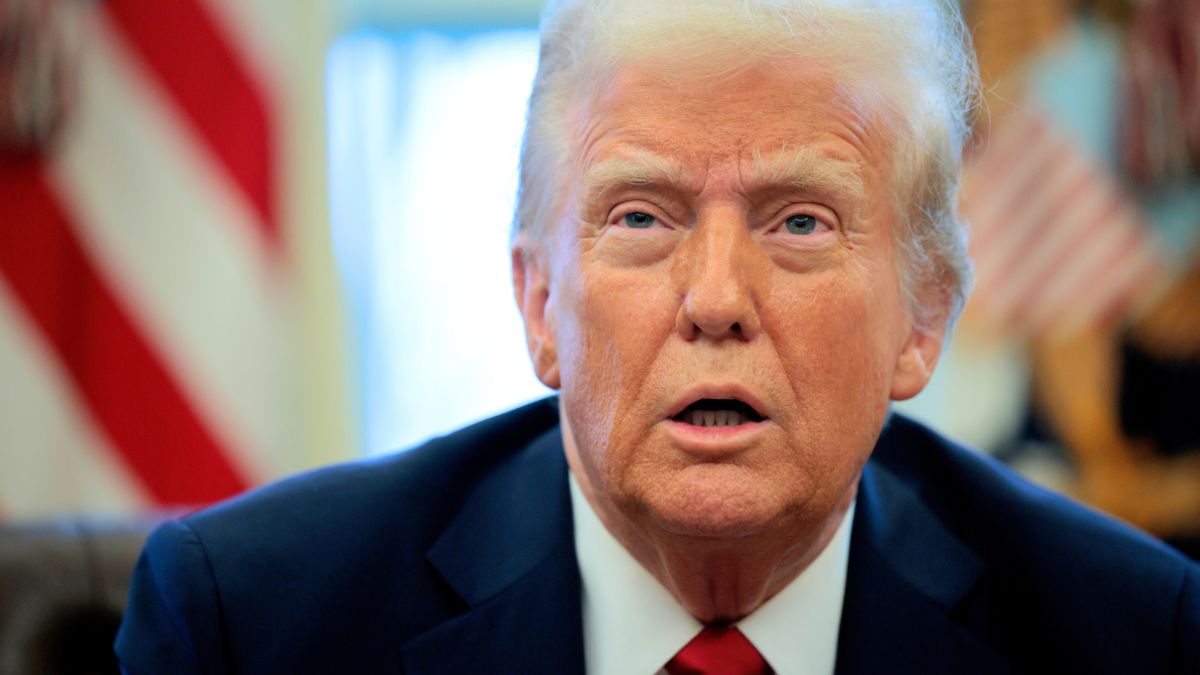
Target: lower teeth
(715, 418)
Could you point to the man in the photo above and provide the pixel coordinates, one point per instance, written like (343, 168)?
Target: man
(735, 245)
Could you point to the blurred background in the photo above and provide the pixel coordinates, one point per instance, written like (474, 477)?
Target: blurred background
(243, 238)
(239, 239)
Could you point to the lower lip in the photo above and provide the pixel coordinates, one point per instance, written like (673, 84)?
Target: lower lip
(714, 438)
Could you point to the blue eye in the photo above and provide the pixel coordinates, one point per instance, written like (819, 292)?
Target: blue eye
(801, 224)
(639, 220)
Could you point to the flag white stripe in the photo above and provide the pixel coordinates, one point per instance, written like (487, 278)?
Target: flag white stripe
(1009, 290)
(1108, 288)
(995, 203)
(259, 32)
(178, 242)
(50, 438)
(1039, 255)
(1001, 149)
(1074, 285)
(1033, 213)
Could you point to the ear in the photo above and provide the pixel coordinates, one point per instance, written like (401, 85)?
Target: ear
(531, 284)
(917, 359)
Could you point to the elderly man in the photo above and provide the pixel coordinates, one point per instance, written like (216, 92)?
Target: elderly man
(735, 244)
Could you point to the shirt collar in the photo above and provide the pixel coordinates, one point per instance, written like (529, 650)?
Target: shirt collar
(632, 624)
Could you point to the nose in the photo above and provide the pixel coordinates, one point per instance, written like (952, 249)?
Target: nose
(718, 301)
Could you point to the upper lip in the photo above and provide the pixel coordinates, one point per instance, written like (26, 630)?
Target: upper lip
(718, 391)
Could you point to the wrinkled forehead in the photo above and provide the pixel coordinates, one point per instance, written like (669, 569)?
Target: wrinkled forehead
(762, 121)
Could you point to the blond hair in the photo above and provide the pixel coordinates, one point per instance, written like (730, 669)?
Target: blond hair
(912, 56)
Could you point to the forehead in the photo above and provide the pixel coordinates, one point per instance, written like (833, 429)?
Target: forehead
(748, 122)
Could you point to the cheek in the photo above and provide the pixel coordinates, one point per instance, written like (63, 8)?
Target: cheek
(620, 319)
(612, 326)
(834, 334)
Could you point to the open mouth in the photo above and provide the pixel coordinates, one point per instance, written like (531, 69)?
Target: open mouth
(718, 412)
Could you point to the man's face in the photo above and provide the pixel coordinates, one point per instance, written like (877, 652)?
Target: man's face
(724, 253)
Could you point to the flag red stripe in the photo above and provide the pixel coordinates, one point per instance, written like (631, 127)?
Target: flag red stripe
(1004, 147)
(1060, 297)
(1030, 178)
(1033, 297)
(122, 381)
(997, 268)
(182, 45)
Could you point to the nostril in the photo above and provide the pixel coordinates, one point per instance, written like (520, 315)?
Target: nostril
(716, 315)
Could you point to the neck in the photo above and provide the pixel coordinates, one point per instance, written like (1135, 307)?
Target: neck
(717, 580)
(725, 581)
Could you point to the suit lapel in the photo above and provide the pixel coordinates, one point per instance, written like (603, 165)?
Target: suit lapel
(510, 554)
(906, 575)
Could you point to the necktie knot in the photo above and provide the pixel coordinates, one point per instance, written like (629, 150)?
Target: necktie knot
(718, 650)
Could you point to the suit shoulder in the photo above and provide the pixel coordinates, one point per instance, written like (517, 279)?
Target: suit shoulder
(1060, 587)
(1008, 518)
(1042, 583)
(337, 521)
(406, 489)
(338, 555)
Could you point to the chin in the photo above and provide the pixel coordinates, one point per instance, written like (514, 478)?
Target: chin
(714, 502)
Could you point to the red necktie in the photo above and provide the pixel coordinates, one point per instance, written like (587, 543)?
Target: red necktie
(718, 650)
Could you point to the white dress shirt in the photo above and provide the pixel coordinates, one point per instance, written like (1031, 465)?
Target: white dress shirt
(632, 624)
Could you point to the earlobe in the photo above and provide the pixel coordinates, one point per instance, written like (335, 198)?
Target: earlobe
(531, 285)
(915, 364)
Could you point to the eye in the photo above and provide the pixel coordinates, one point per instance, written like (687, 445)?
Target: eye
(639, 220)
(801, 224)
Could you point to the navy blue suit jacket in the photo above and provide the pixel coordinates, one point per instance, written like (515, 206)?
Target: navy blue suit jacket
(458, 557)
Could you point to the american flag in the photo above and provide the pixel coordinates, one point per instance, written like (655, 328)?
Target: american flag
(1160, 111)
(1059, 244)
(159, 339)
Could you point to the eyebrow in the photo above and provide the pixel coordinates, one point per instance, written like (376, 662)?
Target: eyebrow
(804, 168)
(641, 167)
(808, 169)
